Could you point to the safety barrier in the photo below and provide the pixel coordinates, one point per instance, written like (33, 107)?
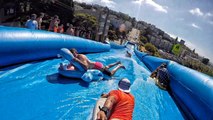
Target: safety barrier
(192, 90)
(19, 45)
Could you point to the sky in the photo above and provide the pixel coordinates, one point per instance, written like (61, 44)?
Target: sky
(190, 20)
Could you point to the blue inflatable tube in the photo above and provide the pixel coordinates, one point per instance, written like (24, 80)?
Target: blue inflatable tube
(21, 45)
(194, 90)
(70, 73)
(116, 46)
(79, 72)
(64, 52)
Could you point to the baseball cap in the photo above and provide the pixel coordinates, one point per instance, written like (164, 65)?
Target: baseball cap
(124, 85)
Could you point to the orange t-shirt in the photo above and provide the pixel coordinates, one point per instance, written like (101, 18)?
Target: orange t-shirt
(60, 30)
(124, 106)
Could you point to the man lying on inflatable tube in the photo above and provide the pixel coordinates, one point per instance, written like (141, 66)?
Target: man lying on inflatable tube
(81, 67)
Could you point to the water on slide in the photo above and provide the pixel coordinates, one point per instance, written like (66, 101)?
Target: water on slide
(36, 91)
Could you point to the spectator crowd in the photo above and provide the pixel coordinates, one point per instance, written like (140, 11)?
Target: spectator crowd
(53, 24)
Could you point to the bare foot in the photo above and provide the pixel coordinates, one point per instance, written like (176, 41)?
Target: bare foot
(128, 54)
(122, 66)
(119, 62)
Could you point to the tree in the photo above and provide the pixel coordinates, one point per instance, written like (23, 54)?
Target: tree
(143, 32)
(148, 31)
(205, 61)
(143, 39)
(133, 21)
(112, 35)
(176, 40)
(86, 20)
(150, 47)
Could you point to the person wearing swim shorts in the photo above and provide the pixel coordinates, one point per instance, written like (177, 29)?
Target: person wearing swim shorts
(128, 54)
(86, 63)
(105, 69)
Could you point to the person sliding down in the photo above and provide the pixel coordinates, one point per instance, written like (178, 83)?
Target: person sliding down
(120, 103)
(86, 63)
(161, 76)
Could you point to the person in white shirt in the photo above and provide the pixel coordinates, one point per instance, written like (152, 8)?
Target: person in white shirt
(32, 23)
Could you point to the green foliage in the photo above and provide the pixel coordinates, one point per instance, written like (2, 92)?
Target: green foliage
(157, 54)
(86, 19)
(143, 39)
(112, 35)
(197, 65)
(205, 61)
(150, 47)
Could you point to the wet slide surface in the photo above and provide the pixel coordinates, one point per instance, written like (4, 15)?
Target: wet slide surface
(36, 91)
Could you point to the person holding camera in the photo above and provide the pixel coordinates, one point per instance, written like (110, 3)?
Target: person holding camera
(120, 103)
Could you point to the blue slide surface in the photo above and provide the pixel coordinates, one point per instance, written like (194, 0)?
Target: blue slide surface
(35, 90)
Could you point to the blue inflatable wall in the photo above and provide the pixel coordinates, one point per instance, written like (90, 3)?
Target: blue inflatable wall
(19, 45)
(192, 89)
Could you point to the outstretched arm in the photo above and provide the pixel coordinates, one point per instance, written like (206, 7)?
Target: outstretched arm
(110, 102)
(108, 105)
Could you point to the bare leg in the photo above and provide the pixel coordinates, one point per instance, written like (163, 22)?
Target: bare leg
(115, 69)
(128, 54)
(113, 64)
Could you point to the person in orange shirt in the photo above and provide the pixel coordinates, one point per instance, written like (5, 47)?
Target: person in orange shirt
(61, 28)
(53, 27)
(120, 103)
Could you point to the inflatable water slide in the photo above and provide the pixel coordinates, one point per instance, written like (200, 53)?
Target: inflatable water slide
(32, 88)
